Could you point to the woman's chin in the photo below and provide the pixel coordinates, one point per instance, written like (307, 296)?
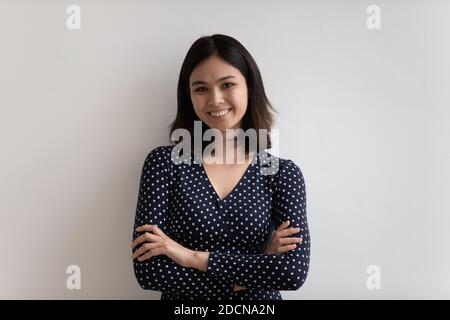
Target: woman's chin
(220, 125)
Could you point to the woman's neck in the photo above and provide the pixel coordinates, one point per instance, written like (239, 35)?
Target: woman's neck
(228, 151)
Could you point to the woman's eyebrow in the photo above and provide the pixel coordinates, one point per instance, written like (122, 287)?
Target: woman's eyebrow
(203, 82)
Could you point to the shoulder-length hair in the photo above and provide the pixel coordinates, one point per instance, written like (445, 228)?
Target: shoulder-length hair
(258, 115)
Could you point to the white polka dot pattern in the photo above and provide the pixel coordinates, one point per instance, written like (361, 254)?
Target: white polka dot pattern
(235, 230)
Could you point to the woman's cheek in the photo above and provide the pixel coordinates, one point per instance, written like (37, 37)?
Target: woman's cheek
(198, 104)
(240, 102)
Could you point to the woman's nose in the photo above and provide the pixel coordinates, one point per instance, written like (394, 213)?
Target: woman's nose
(216, 97)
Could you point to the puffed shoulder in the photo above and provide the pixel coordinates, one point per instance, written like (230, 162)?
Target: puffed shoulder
(282, 171)
(278, 166)
(161, 152)
(159, 157)
(290, 175)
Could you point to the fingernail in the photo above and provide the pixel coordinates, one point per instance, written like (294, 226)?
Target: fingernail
(288, 222)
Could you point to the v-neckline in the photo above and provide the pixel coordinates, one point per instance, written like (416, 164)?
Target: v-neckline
(238, 184)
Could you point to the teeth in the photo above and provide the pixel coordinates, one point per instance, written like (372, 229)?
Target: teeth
(219, 114)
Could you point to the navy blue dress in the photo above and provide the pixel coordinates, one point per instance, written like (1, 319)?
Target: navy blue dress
(181, 200)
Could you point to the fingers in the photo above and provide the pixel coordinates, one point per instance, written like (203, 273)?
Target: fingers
(285, 231)
(152, 228)
(290, 240)
(150, 240)
(238, 288)
(145, 248)
(283, 225)
(154, 252)
(143, 238)
(288, 232)
(286, 248)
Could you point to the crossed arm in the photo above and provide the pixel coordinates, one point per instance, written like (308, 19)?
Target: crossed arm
(162, 264)
(158, 243)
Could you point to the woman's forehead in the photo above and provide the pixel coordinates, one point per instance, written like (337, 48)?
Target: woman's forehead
(214, 69)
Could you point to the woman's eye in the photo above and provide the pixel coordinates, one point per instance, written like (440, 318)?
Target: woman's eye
(198, 89)
(226, 86)
(231, 84)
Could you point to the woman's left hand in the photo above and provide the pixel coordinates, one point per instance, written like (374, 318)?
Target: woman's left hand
(155, 242)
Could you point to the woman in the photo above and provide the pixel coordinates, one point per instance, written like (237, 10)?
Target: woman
(203, 229)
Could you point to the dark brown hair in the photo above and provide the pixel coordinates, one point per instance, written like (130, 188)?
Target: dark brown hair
(258, 114)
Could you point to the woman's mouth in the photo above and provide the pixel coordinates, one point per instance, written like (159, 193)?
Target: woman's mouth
(219, 113)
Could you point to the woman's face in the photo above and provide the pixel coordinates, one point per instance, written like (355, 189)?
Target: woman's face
(218, 93)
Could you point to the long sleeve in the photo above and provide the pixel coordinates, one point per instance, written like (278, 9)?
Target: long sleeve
(286, 271)
(160, 273)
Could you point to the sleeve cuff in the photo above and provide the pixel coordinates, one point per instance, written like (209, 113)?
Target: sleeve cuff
(219, 262)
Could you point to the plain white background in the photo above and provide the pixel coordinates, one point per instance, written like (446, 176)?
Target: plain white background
(364, 114)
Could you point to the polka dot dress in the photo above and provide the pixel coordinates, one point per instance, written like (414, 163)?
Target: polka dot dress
(180, 199)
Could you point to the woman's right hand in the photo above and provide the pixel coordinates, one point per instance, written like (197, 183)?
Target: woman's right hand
(281, 240)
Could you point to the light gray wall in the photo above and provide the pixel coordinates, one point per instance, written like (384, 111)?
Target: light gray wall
(364, 113)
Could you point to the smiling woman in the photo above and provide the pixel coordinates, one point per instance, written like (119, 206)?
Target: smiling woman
(204, 230)
(221, 104)
(220, 85)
